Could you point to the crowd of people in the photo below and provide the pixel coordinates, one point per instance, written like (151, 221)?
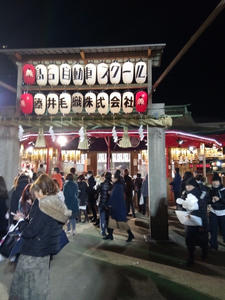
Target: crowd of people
(41, 206)
(207, 203)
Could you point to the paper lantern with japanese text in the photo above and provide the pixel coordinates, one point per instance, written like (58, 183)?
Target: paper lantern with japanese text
(115, 102)
(41, 75)
(140, 72)
(77, 102)
(39, 104)
(115, 72)
(128, 72)
(78, 74)
(90, 103)
(90, 74)
(53, 75)
(29, 74)
(65, 103)
(128, 102)
(65, 74)
(26, 103)
(52, 103)
(141, 101)
(103, 103)
(103, 73)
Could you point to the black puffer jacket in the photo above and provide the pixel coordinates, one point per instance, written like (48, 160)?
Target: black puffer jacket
(83, 193)
(105, 189)
(41, 233)
(219, 192)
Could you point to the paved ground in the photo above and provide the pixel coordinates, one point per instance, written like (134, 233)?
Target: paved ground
(90, 268)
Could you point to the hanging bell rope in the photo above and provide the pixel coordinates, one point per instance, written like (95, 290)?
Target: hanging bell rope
(125, 141)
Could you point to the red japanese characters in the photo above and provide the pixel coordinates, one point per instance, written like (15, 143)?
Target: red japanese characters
(26, 103)
(29, 74)
(141, 101)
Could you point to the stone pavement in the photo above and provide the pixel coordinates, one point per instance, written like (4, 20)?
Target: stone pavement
(90, 268)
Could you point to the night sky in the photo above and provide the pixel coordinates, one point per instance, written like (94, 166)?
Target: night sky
(198, 79)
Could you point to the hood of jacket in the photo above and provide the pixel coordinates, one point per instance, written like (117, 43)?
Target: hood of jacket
(55, 208)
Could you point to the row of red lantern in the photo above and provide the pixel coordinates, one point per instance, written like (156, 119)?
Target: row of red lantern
(90, 73)
(102, 102)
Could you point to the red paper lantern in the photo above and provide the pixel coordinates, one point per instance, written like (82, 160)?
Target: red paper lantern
(29, 73)
(26, 103)
(141, 101)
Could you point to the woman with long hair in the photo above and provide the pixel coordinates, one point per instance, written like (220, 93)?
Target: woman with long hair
(41, 238)
(26, 201)
(3, 207)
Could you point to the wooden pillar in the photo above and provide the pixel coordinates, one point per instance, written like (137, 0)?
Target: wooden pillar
(92, 162)
(19, 86)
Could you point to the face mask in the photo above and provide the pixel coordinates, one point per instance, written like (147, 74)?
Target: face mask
(216, 184)
(88, 176)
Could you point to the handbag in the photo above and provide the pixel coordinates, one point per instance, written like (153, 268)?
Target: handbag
(9, 241)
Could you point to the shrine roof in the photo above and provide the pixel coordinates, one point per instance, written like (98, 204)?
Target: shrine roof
(89, 53)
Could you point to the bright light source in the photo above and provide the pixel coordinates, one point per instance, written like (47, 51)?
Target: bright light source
(62, 141)
(180, 141)
(191, 148)
(218, 163)
(30, 149)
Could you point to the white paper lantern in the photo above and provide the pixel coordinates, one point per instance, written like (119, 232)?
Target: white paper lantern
(39, 104)
(90, 103)
(41, 75)
(65, 74)
(140, 72)
(115, 72)
(103, 103)
(128, 72)
(128, 102)
(78, 74)
(115, 102)
(103, 73)
(77, 102)
(65, 103)
(53, 75)
(90, 74)
(52, 103)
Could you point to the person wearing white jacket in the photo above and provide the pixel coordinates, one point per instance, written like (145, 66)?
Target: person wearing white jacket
(195, 204)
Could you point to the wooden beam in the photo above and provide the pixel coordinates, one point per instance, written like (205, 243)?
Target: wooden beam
(8, 87)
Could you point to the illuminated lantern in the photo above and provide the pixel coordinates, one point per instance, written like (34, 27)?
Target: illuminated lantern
(128, 102)
(128, 72)
(26, 103)
(140, 72)
(39, 104)
(141, 101)
(78, 74)
(115, 72)
(65, 103)
(90, 103)
(77, 102)
(29, 73)
(52, 103)
(41, 75)
(103, 103)
(65, 74)
(53, 75)
(90, 74)
(103, 73)
(115, 102)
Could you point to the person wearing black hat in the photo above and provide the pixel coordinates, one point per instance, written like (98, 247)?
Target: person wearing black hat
(196, 205)
(217, 210)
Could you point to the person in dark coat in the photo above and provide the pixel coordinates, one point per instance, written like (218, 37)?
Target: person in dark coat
(117, 206)
(144, 192)
(3, 207)
(176, 184)
(137, 187)
(217, 211)
(41, 239)
(104, 190)
(22, 181)
(83, 197)
(92, 195)
(71, 200)
(186, 176)
(196, 205)
(129, 187)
